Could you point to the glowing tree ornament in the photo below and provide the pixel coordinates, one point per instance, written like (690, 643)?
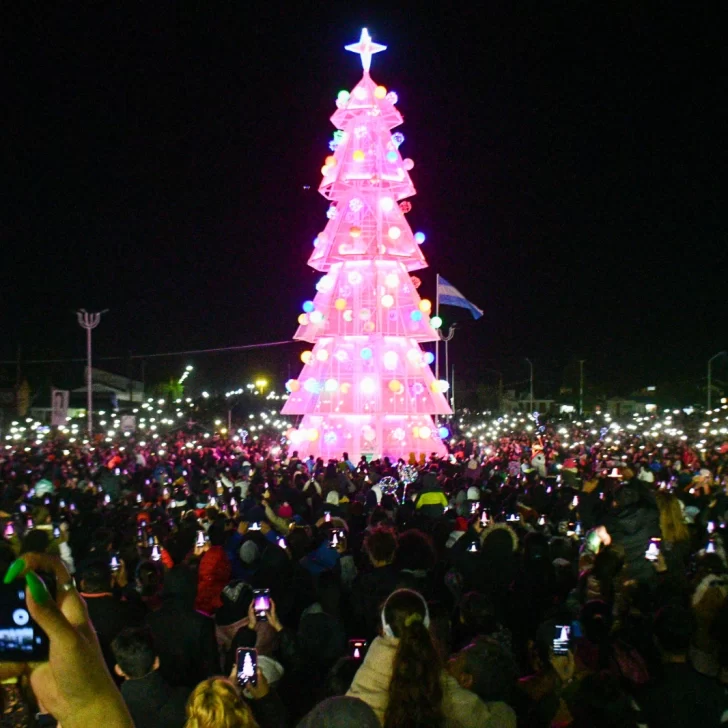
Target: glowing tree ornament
(366, 386)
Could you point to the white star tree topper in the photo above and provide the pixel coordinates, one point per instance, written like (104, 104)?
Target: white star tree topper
(366, 49)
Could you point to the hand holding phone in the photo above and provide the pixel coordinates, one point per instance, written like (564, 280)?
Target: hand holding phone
(653, 550)
(21, 638)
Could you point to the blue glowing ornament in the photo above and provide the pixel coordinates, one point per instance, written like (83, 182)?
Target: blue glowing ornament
(330, 438)
(337, 140)
(311, 385)
(388, 485)
(443, 432)
(429, 357)
(392, 157)
(398, 138)
(419, 238)
(366, 353)
(331, 212)
(416, 315)
(308, 306)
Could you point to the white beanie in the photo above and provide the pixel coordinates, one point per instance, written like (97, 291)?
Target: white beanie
(332, 498)
(473, 493)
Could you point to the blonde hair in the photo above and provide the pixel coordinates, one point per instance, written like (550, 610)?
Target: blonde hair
(216, 703)
(672, 523)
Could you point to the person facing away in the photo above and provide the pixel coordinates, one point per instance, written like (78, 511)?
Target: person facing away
(108, 614)
(184, 638)
(217, 703)
(402, 678)
(152, 702)
(214, 571)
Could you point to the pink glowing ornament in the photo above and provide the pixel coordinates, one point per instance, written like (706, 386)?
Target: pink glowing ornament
(405, 206)
(292, 385)
(367, 432)
(355, 278)
(408, 164)
(342, 355)
(416, 282)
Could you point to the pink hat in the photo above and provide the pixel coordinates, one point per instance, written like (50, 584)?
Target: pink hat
(285, 511)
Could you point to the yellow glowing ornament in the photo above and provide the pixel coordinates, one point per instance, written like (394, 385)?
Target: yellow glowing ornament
(387, 301)
(306, 357)
(330, 161)
(340, 304)
(303, 319)
(435, 387)
(415, 431)
(395, 386)
(380, 92)
(394, 232)
(313, 434)
(425, 305)
(345, 387)
(358, 156)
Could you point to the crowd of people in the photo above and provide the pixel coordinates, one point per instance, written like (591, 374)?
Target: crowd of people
(549, 575)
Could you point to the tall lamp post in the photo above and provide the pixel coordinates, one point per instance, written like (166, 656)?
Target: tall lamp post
(89, 321)
(446, 339)
(710, 375)
(530, 364)
(581, 386)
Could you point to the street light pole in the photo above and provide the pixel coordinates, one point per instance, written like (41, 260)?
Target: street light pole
(581, 386)
(89, 321)
(710, 375)
(446, 339)
(530, 364)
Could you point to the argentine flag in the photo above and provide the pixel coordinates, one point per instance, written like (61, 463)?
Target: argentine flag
(448, 295)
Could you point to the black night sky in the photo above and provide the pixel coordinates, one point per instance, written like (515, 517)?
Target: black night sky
(569, 162)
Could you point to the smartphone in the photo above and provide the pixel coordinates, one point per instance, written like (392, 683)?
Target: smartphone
(474, 508)
(513, 518)
(282, 542)
(246, 662)
(710, 548)
(653, 550)
(484, 518)
(31, 524)
(114, 562)
(562, 635)
(156, 556)
(62, 503)
(327, 517)
(21, 639)
(200, 540)
(578, 530)
(473, 547)
(711, 526)
(254, 526)
(542, 521)
(261, 604)
(357, 648)
(150, 541)
(9, 530)
(336, 537)
(56, 532)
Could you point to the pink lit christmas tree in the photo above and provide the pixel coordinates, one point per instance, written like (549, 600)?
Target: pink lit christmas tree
(366, 387)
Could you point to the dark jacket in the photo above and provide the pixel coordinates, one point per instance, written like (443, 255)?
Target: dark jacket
(184, 638)
(370, 591)
(153, 703)
(632, 526)
(109, 616)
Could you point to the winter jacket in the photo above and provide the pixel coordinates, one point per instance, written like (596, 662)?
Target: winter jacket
(632, 526)
(462, 708)
(431, 500)
(213, 575)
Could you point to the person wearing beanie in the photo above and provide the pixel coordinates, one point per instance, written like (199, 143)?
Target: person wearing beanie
(431, 500)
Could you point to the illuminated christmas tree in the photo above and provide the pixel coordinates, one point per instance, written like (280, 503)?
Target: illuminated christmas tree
(366, 386)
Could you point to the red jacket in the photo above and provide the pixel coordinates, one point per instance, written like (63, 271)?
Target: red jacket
(213, 576)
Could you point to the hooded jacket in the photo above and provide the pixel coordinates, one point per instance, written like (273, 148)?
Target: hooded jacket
(462, 708)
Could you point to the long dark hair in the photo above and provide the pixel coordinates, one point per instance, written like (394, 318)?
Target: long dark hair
(415, 692)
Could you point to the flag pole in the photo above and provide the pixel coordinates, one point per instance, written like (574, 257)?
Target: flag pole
(437, 313)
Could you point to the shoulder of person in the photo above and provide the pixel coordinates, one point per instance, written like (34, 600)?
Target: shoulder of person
(464, 709)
